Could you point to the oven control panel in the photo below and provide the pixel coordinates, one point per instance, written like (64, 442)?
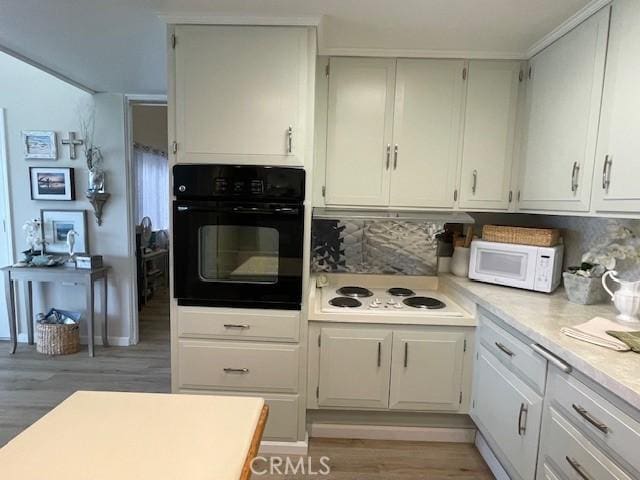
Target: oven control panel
(238, 182)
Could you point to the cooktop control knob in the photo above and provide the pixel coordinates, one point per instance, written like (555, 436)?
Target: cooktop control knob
(391, 301)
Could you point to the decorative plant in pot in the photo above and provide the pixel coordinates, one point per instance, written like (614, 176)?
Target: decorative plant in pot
(583, 283)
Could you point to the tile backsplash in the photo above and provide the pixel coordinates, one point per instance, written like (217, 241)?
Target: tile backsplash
(375, 246)
(409, 247)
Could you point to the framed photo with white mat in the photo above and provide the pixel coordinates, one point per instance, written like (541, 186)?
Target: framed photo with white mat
(56, 224)
(51, 183)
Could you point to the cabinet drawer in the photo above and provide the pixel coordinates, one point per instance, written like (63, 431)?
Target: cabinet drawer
(564, 447)
(597, 417)
(514, 353)
(238, 324)
(282, 424)
(238, 366)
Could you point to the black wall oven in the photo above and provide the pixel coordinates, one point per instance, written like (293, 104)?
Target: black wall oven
(238, 234)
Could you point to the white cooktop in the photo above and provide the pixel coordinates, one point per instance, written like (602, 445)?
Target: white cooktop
(381, 302)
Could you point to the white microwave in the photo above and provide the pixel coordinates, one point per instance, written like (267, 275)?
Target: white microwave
(520, 266)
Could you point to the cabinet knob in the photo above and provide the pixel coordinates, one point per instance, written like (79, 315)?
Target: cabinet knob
(182, 188)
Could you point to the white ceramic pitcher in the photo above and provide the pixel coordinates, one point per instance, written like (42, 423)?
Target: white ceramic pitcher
(626, 298)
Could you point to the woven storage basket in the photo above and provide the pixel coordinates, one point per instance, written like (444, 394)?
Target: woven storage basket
(539, 237)
(58, 339)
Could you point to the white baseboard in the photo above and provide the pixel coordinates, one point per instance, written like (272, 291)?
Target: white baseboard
(285, 448)
(490, 459)
(385, 432)
(113, 341)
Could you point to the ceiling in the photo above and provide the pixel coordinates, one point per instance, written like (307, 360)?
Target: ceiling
(119, 45)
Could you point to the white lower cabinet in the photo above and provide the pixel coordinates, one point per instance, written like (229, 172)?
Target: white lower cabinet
(426, 370)
(354, 368)
(571, 453)
(380, 368)
(508, 413)
(240, 352)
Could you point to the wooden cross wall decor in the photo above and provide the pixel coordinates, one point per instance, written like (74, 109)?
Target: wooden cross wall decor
(72, 142)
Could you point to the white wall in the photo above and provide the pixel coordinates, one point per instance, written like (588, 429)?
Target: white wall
(149, 124)
(34, 100)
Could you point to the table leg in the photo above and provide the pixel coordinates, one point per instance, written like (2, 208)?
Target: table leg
(11, 311)
(105, 297)
(29, 311)
(90, 314)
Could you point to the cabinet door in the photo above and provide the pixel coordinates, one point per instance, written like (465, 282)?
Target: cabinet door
(489, 133)
(426, 132)
(618, 162)
(426, 371)
(359, 131)
(563, 107)
(237, 92)
(507, 412)
(354, 368)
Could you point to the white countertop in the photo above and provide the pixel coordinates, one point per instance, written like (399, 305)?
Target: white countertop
(540, 316)
(135, 436)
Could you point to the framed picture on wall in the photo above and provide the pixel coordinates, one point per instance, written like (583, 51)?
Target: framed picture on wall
(56, 225)
(39, 144)
(50, 183)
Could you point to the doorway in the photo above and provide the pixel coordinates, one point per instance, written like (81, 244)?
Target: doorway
(149, 209)
(6, 243)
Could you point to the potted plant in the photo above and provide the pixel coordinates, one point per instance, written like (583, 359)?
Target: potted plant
(583, 284)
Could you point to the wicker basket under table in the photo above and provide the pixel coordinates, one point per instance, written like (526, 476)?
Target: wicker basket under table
(57, 339)
(539, 237)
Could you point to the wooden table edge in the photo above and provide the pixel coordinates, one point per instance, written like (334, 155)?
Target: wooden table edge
(255, 443)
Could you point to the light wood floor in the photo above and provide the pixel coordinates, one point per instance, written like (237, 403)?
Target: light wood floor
(388, 460)
(32, 384)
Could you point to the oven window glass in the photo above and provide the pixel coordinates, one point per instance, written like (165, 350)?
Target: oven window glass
(238, 253)
(510, 265)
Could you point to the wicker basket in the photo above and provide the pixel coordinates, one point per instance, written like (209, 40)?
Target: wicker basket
(58, 339)
(539, 237)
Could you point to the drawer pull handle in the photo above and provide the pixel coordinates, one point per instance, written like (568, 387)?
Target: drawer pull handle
(578, 468)
(235, 370)
(522, 427)
(504, 349)
(235, 325)
(565, 367)
(379, 353)
(591, 419)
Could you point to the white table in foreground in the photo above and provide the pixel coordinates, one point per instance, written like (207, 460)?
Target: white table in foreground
(136, 436)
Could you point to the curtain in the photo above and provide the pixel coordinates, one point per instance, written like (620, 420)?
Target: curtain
(152, 185)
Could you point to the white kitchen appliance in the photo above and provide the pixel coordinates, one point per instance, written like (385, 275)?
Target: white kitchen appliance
(388, 301)
(519, 266)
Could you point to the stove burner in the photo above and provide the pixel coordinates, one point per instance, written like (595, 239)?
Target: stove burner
(424, 302)
(355, 292)
(345, 302)
(400, 292)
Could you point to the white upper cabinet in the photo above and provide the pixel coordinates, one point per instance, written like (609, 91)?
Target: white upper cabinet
(563, 107)
(489, 133)
(616, 187)
(426, 132)
(240, 94)
(359, 131)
